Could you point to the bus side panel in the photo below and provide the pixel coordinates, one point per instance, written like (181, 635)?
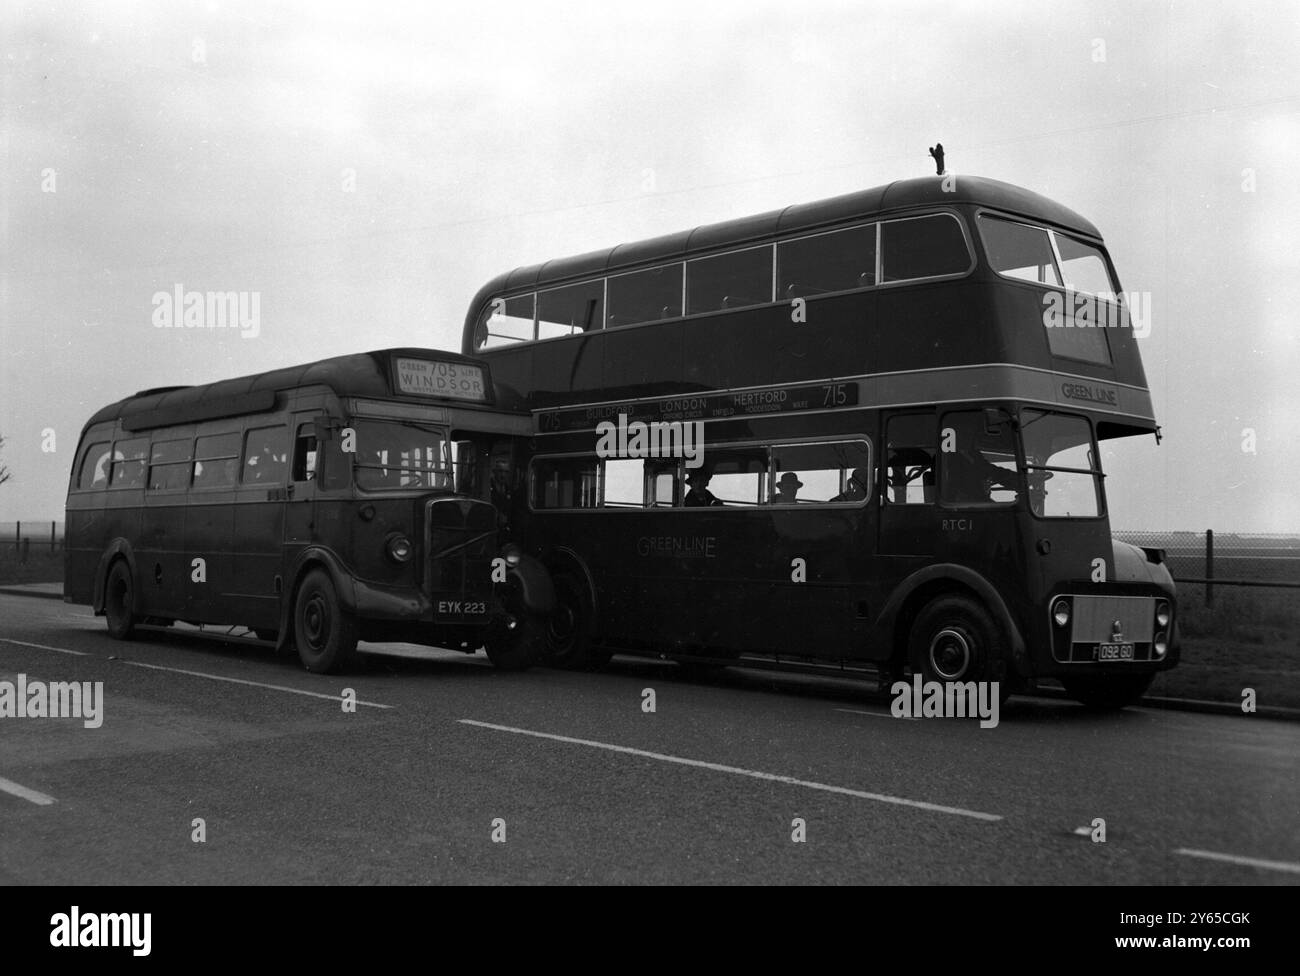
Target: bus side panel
(123, 516)
(209, 534)
(163, 567)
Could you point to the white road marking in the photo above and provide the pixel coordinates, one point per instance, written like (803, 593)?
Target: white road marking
(1250, 862)
(45, 647)
(855, 711)
(200, 674)
(244, 681)
(738, 771)
(40, 799)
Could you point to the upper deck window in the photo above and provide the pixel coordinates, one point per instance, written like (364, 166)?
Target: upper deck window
(571, 309)
(1083, 267)
(506, 321)
(1045, 257)
(922, 247)
(733, 280)
(838, 261)
(1019, 250)
(645, 296)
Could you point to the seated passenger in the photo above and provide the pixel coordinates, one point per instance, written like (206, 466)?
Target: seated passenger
(787, 489)
(699, 495)
(857, 488)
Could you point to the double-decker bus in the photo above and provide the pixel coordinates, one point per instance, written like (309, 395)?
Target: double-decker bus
(342, 500)
(901, 391)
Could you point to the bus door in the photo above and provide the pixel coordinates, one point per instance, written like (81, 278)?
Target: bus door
(1072, 540)
(259, 521)
(907, 491)
(980, 489)
(299, 518)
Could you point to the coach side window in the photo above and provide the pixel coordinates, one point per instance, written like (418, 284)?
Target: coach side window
(216, 460)
(169, 464)
(819, 473)
(129, 463)
(94, 466)
(565, 483)
(266, 455)
(624, 483)
(909, 459)
(733, 477)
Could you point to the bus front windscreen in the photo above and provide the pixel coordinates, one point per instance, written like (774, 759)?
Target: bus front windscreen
(1064, 472)
(393, 455)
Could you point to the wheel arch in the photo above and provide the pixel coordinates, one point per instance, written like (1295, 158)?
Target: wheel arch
(917, 591)
(119, 548)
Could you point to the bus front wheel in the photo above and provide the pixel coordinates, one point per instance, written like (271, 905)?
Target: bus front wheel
(515, 648)
(1108, 694)
(955, 639)
(324, 633)
(119, 601)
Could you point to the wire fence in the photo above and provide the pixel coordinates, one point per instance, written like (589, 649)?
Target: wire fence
(26, 538)
(1214, 559)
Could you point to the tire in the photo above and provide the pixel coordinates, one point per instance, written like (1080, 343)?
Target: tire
(955, 639)
(1108, 694)
(517, 648)
(324, 633)
(568, 628)
(119, 601)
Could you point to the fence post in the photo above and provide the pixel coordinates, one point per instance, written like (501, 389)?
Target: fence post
(1209, 567)
(52, 524)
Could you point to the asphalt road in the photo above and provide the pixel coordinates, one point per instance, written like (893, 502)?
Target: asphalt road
(443, 751)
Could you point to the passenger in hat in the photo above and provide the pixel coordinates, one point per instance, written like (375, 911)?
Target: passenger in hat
(699, 495)
(787, 488)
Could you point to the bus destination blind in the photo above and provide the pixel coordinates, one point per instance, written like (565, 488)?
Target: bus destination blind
(439, 378)
(708, 406)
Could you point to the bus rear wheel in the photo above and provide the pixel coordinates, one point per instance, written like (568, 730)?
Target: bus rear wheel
(1108, 694)
(119, 601)
(324, 633)
(568, 628)
(955, 639)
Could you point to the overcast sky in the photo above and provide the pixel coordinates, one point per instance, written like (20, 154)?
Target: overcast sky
(365, 167)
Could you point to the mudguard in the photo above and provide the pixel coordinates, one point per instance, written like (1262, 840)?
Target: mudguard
(535, 584)
(887, 622)
(118, 546)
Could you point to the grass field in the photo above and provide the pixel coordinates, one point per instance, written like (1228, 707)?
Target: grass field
(1250, 638)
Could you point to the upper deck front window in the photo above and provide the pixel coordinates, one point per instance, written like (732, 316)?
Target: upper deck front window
(1085, 293)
